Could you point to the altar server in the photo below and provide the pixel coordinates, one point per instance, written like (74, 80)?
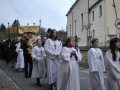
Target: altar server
(20, 57)
(52, 50)
(96, 66)
(68, 78)
(38, 55)
(112, 61)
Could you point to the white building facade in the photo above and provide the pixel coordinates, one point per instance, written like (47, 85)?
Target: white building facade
(98, 28)
(98, 23)
(76, 18)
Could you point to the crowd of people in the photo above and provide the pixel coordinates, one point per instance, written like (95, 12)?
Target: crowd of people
(8, 51)
(59, 63)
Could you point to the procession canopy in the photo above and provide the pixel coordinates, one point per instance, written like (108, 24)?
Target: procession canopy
(21, 30)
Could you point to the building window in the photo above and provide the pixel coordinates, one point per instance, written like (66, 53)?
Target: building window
(82, 21)
(75, 27)
(93, 16)
(100, 10)
(70, 30)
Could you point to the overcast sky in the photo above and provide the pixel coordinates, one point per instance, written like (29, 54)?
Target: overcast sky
(50, 12)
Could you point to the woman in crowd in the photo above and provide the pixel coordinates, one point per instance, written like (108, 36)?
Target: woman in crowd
(52, 50)
(20, 57)
(112, 61)
(68, 78)
(96, 66)
(38, 55)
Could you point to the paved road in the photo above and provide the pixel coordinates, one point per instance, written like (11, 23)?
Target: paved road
(6, 83)
(30, 84)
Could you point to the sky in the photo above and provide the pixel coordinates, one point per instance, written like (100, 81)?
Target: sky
(50, 12)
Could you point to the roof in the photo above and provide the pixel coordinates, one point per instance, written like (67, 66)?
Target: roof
(95, 4)
(72, 7)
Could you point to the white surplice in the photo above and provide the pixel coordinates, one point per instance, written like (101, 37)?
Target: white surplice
(38, 56)
(20, 57)
(68, 77)
(52, 50)
(113, 70)
(96, 68)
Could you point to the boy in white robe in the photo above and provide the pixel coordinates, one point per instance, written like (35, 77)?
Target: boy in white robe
(96, 66)
(52, 50)
(68, 78)
(112, 61)
(38, 55)
(20, 57)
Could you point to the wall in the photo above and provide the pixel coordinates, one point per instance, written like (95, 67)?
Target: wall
(99, 23)
(75, 14)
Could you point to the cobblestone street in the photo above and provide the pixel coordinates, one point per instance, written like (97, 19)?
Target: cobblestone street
(10, 79)
(6, 83)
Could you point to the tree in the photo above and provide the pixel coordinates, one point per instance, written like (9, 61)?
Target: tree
(62, 35)
(49, 29)
(43, 32)
(2, 27)
(16, 23)
(2, 31)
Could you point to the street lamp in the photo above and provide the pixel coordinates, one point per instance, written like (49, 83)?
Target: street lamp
(8, 24)
(40, 23)
(27, 24)
(34, 24)
(40, 27)
(8, 29)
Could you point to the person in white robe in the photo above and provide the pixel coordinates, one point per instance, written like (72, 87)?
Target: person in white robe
(38, 55)
(112, 62)
(96, 66)
(20, 58)
(68, 77)
(52, 49)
